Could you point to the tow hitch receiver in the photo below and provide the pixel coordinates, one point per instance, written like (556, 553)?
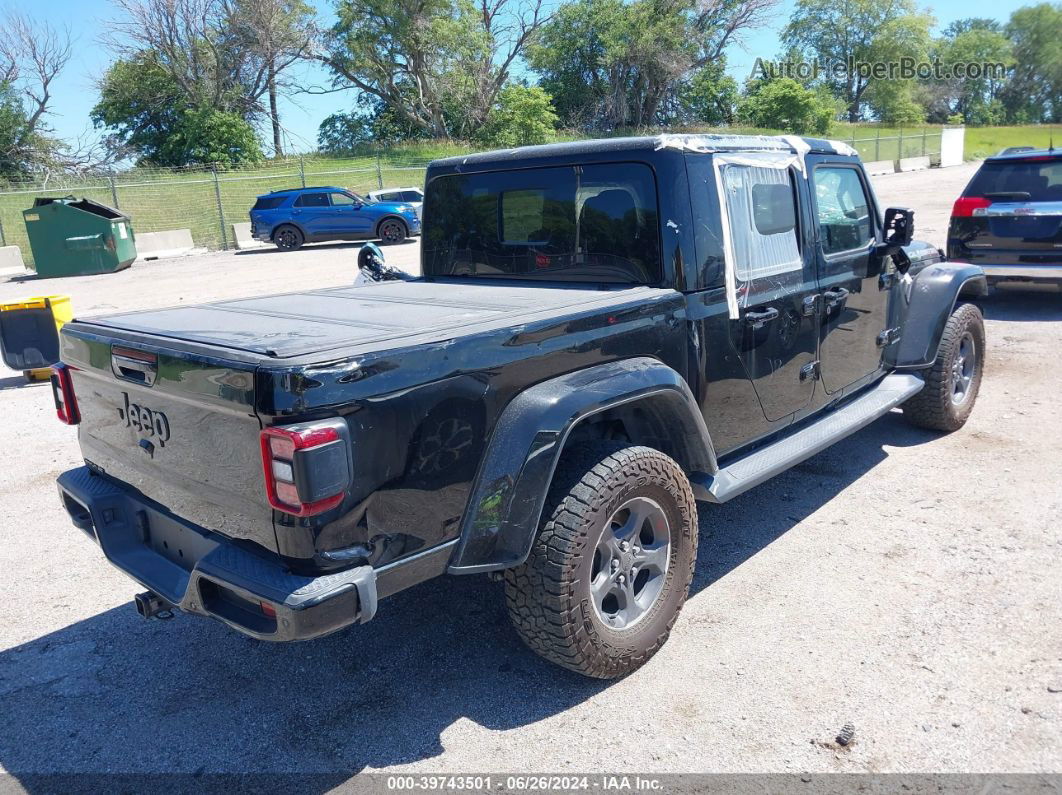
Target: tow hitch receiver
(150, 605)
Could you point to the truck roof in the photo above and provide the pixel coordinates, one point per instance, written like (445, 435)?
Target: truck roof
(693, 142)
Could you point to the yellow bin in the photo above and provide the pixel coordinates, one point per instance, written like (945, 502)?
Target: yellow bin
(29, 333)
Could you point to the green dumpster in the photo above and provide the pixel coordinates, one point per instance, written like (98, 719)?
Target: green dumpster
(75, 237)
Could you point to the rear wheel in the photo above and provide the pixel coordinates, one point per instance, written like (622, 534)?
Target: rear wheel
(288, 238)
(392, 231)
(612, 564)
(952, 383)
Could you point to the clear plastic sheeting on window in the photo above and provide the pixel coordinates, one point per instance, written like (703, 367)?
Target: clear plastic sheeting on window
(760, 229)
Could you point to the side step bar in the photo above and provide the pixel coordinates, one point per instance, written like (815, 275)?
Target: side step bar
(752, 470)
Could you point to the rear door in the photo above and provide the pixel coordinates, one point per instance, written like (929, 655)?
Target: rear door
(775, 331)
(1011, 214)
(853, 294)
(313, 212)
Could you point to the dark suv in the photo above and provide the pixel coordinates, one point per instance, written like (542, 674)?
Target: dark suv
(289, 218)
(1009, 218)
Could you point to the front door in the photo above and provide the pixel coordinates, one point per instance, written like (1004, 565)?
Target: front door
(348, 218)
(854, 295)
(773, 323)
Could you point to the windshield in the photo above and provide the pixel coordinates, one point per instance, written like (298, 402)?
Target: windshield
(595, 223)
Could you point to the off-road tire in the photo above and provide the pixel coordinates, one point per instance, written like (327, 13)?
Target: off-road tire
(392, 231)
(288, 238)
(933, 407)
(549, 597)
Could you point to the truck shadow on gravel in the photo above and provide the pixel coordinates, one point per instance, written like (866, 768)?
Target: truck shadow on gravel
(1023, 305)
(18, 382)
(116, 693)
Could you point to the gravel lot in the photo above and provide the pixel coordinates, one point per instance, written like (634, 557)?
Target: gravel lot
(901, 581)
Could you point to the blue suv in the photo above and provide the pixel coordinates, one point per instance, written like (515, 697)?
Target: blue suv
(289, 218)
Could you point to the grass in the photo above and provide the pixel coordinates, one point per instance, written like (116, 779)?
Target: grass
(984, 141)
(159, 199)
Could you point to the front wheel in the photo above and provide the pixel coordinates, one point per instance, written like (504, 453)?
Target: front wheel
(392, 231)
(952, 383)
(612, 564)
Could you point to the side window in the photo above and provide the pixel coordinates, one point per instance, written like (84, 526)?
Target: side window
(843, 209)
(412, 196)
(386, 197)
(343, 200)
(312, 200)
(761, 208)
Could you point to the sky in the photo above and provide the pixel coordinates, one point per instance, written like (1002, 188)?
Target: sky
(75, 90)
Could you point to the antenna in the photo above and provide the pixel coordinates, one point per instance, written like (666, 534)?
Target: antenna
(1051, 143)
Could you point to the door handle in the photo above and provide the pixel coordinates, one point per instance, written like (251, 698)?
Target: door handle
(762, 317)
(834, 297)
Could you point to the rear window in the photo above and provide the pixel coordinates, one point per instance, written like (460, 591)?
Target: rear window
(269, 202)
(1040, 178)
(595, 223)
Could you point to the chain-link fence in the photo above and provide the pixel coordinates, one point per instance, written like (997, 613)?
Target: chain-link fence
(924, 142)
(205, 200)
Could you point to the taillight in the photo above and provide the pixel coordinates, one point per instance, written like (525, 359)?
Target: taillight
(308, 467)
(63, 393)
(965, 206)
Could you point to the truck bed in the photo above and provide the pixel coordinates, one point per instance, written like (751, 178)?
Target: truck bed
(320, 325)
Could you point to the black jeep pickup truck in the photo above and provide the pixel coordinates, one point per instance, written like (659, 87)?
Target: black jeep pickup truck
(604, 333)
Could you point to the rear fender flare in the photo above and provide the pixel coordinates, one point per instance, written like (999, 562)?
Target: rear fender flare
(510, 488)
(931, 298)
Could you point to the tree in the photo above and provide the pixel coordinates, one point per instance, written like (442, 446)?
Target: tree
(341, 134)
(522, 116)
(228, 55)
(372, 122)
(16, 140)
(610, 64)
(977, 98)
(279, 33)
(865, 31)
(151, 119)
(32, 56)
(438, 64)
(708, 96)
(207, 136)
(782, 103)
(1034, 91)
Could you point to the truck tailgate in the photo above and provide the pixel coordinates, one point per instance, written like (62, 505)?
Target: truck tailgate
(181, 428)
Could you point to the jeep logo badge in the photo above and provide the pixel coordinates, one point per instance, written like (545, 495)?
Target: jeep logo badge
(153, 424)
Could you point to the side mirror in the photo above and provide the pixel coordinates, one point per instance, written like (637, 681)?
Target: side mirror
(370, 257)
(899, 226)
(898, 232)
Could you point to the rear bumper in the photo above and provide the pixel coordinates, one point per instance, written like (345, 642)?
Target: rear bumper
(203, 573)
(1024, 272)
